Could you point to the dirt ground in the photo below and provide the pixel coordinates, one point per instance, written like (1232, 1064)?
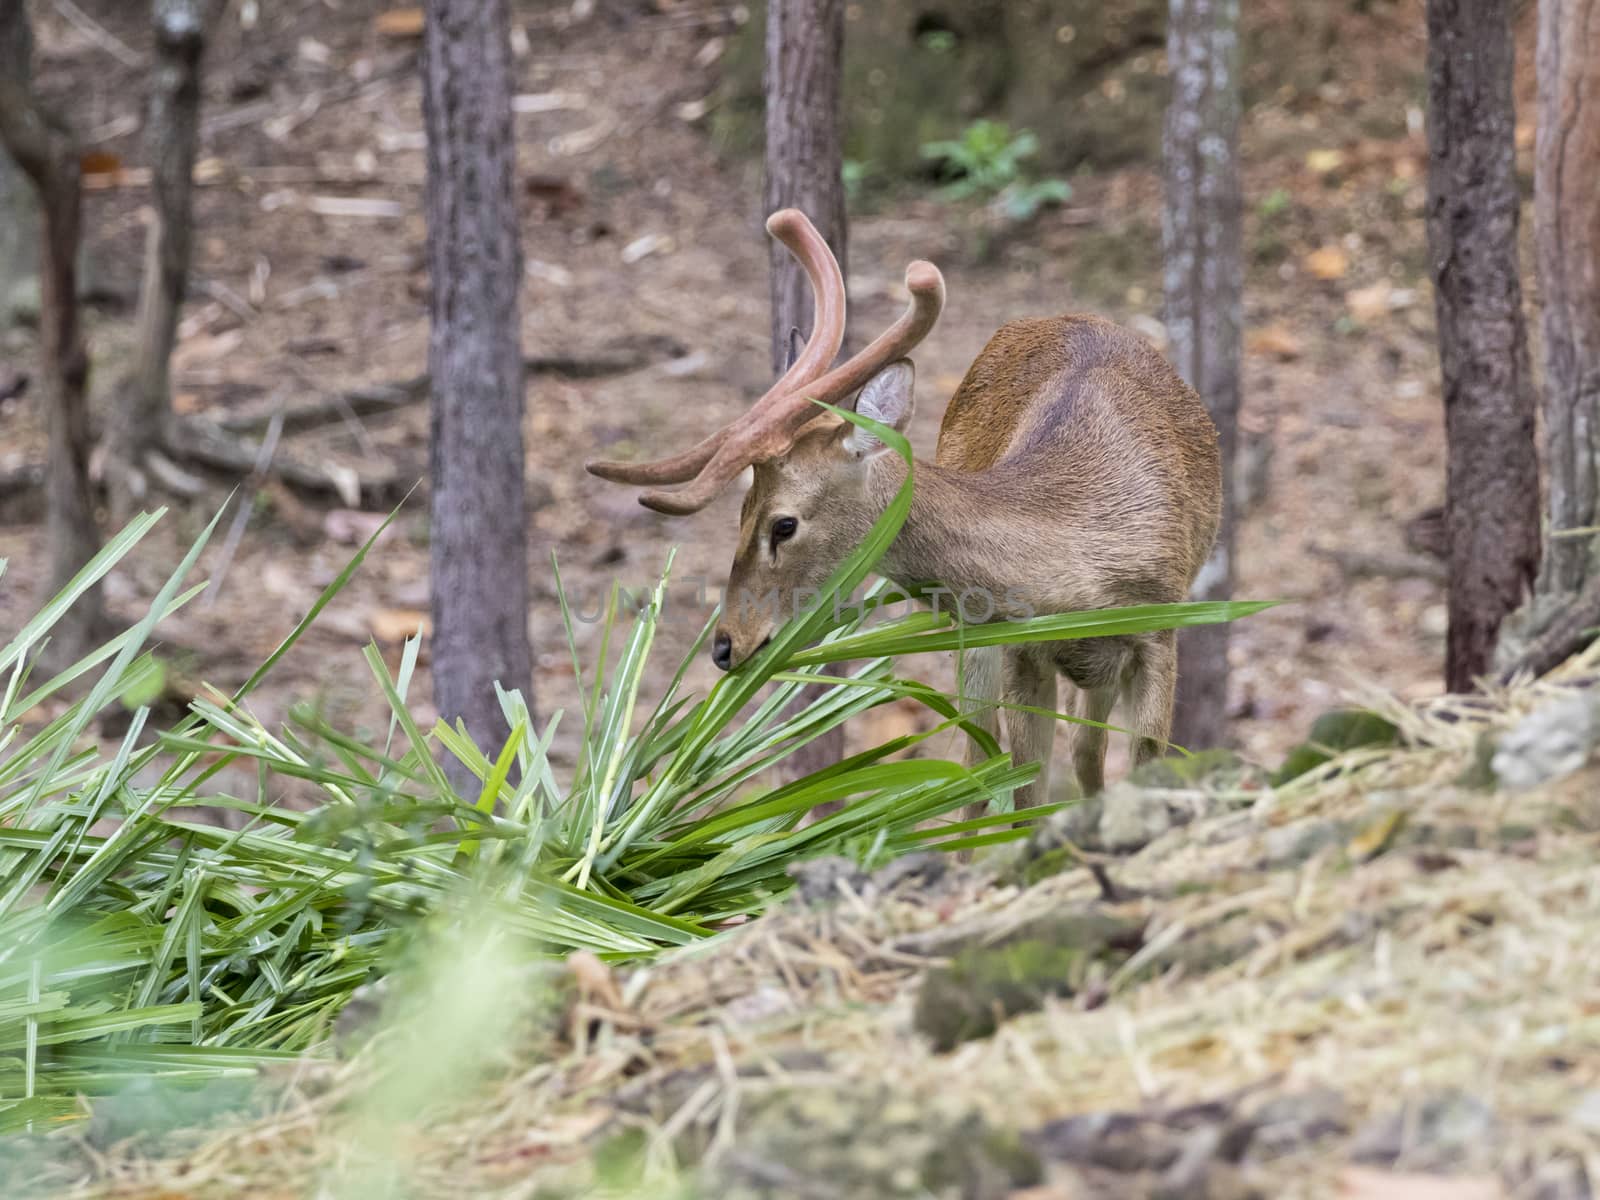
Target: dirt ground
(637, 234)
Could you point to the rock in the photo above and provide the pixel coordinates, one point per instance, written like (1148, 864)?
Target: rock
(986, 984)
(868, 1143)
(916, 72)
(1187, 1153)
(1431, 1134)
(1550, 743)
(1134, 817)
(1332, 733)
(1291, 845)
(1288, 1123)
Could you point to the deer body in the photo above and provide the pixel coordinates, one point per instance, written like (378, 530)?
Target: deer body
(1074, 470)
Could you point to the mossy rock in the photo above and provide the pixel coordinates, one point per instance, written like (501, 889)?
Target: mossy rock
(917, 71)
(1180, 771)
(1333, 733)
(867, 1142)
(987, 984)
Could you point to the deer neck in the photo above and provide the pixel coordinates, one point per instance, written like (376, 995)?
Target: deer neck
(957, 534)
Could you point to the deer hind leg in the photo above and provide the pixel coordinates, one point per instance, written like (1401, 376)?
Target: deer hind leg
(1089, 741)
(1030, 679)
(980, 689)
(1149, 687)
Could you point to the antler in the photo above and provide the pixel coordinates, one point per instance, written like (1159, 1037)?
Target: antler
(791, 227)
(770, 433)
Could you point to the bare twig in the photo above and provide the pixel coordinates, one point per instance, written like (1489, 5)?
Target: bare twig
(210, 446)
(246, 494)
(99, 34)
(624, 355)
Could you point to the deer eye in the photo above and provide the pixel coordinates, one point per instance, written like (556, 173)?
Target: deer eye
(783, 529)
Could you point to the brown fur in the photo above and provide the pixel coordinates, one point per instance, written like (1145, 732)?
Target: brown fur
(1074, 470)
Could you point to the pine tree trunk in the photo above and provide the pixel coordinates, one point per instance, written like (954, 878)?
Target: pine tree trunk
(804, 159)
(1492, 477)
(172, 125)
(1204, 284)
(805, 49)
(48, 155)
(479, 512)
(1566, 215)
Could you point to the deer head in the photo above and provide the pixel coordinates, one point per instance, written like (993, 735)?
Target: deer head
(809, 505)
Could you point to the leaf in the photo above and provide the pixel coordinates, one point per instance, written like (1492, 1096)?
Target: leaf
(1325, 162)
(398, 624)
(399, 23)
(99, 162)
(1368, 304)
(1274, 341)
(1328, 262)
(1376, 836)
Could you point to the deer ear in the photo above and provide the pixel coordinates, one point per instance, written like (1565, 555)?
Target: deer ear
(888, 398)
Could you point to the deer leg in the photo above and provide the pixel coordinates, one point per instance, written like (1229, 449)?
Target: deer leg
(980, 688)
(1030, 679)
(1089, 741)
(1150, 687)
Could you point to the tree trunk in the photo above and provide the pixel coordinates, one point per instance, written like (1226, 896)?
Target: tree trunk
(47, 154)
(805, 139)
(1566, 216)
(144, 404)
(1492, 479)
(804, 160)
(19, 224)
(479, 512)
(1203, 284)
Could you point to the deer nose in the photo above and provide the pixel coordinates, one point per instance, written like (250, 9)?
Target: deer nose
(722, 651)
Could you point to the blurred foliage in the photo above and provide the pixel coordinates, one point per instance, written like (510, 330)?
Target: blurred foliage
(987, 163)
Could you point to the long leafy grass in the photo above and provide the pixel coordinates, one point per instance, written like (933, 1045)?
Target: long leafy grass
(139, 938)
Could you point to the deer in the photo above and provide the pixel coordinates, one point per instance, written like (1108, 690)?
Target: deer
(1075, 469)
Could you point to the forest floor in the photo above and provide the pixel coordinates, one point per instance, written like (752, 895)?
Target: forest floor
(1346, 985)
(644, 317)
(1377, 981)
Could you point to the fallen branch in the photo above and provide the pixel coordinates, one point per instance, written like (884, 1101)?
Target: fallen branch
(1369, 564)
(207, 445)
(627, 354)
(1572, 629)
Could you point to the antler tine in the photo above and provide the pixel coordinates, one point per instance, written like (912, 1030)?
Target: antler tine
(926, 286)
(677, 469)
(753, 442)
(791, 227)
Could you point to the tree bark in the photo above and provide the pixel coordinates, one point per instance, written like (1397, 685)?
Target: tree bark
(48, 155)
(1566, 217)
(804, 161)
(1204, 285)
(479, 558)
(805, 147)
(1492, 477)
(144, 405)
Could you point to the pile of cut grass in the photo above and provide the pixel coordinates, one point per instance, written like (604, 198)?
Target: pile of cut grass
(141, 943)
(1380, 934)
